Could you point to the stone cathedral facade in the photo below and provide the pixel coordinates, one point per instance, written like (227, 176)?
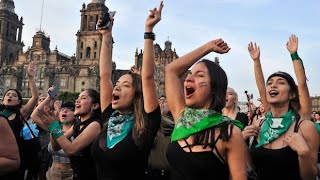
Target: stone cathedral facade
(68, 73)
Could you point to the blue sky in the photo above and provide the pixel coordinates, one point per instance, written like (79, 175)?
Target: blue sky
(189, 24)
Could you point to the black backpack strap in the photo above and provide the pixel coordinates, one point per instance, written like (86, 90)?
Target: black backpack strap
(297, 125)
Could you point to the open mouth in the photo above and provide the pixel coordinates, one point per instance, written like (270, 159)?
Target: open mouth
(189, 91)
(115, 97)
(64, 115)
(273, 93)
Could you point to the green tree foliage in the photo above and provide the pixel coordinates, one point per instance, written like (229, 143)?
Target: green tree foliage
(67, 96)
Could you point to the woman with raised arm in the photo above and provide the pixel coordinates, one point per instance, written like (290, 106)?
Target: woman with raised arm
(60, 168)
(131, 111)
(287, 145)
(17, 114)
(205, 144)
(76, 142)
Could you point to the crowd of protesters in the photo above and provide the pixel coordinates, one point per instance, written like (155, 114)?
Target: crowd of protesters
(196, 132)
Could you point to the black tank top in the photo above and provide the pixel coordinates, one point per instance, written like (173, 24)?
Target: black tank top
(276, 164)
(196, 165)
(82, 162)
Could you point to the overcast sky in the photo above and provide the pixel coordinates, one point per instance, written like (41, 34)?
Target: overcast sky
(189, 24)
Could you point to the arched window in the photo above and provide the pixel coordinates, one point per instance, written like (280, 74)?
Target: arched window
(88, 52)
(80, 55)
(11, 58)
(81, 45)
(95, 44)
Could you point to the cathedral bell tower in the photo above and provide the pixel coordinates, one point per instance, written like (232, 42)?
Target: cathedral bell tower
(88, 38)
(10, 33)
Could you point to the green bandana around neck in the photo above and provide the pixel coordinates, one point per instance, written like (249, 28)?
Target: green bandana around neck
(6, 113)
(272, 128)
(196, 120)
(118, 128)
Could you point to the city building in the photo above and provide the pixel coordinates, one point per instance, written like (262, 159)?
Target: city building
(315, 101)
(68, 73)
(10, 33)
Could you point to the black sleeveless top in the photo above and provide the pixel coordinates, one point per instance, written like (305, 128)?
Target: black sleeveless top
(126, 159)
(243, 118)
(276, 164)
(196, 165)
(82, 162)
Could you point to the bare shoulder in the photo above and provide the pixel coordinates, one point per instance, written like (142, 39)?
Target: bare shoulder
(235, 134)
(3, 122)
(308, 128)
(307, 125)
(94, 126)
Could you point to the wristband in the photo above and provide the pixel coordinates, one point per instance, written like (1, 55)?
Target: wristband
(149, 35)
(55, 129)
(295, 56)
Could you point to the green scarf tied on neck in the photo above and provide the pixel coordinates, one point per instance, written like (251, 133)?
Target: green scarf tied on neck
(119, 126)
(195, 120)
(272, 128)
(6, 113)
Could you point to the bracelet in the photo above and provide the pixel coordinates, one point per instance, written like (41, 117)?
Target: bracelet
(295, 56)
(149, 35)
(57, 133)
(55, 129)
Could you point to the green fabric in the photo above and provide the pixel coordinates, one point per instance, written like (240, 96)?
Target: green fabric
(6, 113)
(272, 128)
(295, 56)
(55, 129)
(118, 128)
(195, 120)
(318, 127)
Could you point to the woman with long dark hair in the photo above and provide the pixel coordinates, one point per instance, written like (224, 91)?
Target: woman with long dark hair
(131, 112)
(287, 144)
(205, 144)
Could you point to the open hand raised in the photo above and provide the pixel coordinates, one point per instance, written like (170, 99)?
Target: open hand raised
(254, 51)
(292, 44)
(32, 69)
